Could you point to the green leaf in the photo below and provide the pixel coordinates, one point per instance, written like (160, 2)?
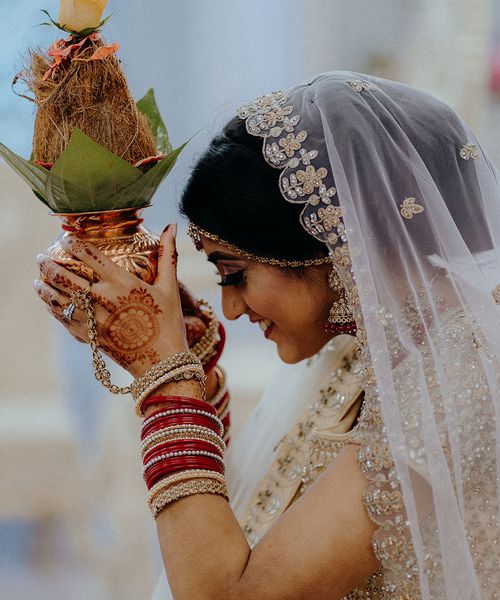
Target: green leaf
(141, 191)
(87, 175)
(148, 107)
(34, 175)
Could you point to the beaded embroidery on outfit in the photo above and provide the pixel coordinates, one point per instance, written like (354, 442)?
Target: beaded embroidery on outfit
(303, 181)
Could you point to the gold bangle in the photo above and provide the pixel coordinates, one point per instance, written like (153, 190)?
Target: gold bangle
(221, 386)
(163, 484)
(204, 348)
(184, 489)
(215, 440)
(183, 373)
(162, 367)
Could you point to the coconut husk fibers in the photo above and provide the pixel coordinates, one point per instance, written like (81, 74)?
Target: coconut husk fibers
(93, 96)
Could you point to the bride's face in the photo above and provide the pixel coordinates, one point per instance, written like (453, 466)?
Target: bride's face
(289, 309)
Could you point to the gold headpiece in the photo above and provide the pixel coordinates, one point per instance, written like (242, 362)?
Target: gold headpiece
(196, 232)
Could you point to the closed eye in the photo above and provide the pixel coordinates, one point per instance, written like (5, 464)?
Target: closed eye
(236, 278)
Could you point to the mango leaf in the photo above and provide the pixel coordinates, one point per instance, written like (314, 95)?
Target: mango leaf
(140, 192)
(148, 107)
(86, 176)
(34, 175)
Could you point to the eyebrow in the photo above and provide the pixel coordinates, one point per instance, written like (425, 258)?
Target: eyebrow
(213, 257)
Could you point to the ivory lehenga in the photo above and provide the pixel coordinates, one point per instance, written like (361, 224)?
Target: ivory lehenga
(408, 204)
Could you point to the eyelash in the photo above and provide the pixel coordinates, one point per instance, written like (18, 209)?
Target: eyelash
(235, 279)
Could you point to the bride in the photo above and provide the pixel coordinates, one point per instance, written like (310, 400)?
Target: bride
(357, 221)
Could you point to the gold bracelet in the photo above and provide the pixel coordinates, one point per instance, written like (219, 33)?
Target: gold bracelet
(215, 440)
(186, 475)
(184, 489)
(183, 373)
(205, 347)
(221, 386)
(160, 368)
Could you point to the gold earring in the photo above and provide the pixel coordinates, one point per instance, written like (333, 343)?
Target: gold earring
(340, 319)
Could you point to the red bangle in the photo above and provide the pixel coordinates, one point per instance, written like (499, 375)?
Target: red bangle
(179, 402)
(155, 473)
(179, 446)
(180, 420)
(219, 349)
(179, 414)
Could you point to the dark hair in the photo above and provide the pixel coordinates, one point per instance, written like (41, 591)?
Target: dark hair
(234, 193)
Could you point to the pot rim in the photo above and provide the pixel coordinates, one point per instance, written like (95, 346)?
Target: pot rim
(98, 212)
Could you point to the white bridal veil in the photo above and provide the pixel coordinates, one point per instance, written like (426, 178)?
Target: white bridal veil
(397, 186)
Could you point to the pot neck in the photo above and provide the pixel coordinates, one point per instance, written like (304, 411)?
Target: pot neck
(102, 224)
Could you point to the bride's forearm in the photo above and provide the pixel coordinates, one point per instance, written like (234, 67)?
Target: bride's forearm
(203, 547)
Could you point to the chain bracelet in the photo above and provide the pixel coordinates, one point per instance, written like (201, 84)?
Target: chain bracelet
(81, 299)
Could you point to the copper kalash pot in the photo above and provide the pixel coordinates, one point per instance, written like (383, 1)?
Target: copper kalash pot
(119, 234)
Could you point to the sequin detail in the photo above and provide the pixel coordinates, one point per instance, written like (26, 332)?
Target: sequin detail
(496, 294)
(392, 543)
(409, 208)
(361, 86)
(296, 462)
(468, 151)
(300, 181)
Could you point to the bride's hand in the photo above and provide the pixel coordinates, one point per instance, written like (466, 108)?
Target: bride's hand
(137, 324)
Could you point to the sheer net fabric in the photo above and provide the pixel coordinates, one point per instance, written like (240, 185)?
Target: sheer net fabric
(398, 187)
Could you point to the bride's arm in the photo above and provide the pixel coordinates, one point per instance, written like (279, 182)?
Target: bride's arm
(319, 549)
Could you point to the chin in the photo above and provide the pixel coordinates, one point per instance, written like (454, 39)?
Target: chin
(291, 354)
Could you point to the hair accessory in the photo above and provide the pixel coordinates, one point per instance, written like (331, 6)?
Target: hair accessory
(196, 232)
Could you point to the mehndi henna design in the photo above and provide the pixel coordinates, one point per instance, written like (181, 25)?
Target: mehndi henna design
(52, 274)
(102, 301)
(46, 296)
(132, 328)
(80, 247)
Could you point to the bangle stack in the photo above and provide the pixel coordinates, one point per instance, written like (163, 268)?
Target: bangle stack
(180, 366)
(221, 402)
(210, 346)
(182, 452)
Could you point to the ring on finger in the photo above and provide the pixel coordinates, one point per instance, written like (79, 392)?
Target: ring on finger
(68, 312)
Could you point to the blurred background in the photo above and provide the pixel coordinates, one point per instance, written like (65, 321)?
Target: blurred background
(74, 522)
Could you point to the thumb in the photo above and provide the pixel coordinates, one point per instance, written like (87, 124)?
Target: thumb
(166, 277)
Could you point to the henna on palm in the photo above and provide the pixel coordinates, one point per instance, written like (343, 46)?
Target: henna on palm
(132, 328)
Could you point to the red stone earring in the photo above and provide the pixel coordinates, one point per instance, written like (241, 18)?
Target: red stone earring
(340, 319)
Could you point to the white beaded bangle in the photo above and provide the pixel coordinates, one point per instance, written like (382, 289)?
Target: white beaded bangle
(176, 411)
(213, 439)
(217, 444)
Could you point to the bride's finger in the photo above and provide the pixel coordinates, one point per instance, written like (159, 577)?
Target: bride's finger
(58, 303)
(66, 282)
(103, 266)
(59, 277)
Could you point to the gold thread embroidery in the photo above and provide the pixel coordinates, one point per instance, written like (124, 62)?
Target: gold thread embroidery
(409, 208)
(361, 86)
(469, 151)
(496, 294)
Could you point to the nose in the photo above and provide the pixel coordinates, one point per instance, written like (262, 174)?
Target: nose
(233, 305)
